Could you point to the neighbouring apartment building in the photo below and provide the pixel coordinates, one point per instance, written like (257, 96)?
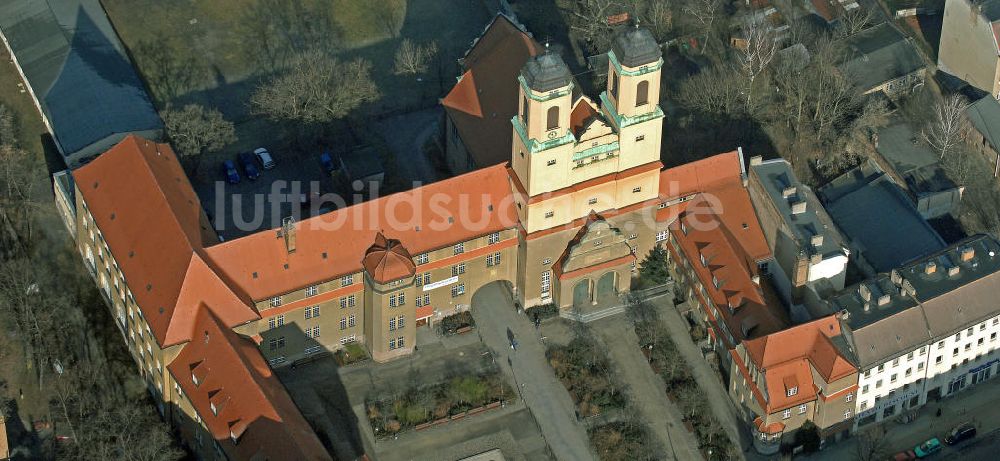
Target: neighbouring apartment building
(582, 197)
(969, 43)
(799, 374)
(882, 59)
(924, 331)
(806, 245)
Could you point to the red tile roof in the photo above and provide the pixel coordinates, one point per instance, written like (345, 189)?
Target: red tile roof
(722, 228)
(386, 260)
(484, 100)
(250, 403)
(333, 244)
(786, 356)
(152, 221)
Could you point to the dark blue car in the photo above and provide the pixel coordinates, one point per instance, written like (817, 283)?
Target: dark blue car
(327, 162)
(246, 160)
(232, 176)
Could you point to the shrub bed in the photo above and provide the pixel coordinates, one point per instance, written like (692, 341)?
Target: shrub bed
(442, 401)
(585, 371)
(544, 311)
(452, 324)
(619, 441)
(350, 353)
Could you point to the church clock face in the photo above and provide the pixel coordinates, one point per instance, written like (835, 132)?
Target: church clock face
(552, 134)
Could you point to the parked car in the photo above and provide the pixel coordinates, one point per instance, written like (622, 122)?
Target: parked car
(327, 162)
(264, 157)
(960, 433)
(906, 455)
(229, 168)
(929, 447)
(246, 160)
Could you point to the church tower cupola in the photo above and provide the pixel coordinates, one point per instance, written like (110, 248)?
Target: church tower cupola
(634, 64)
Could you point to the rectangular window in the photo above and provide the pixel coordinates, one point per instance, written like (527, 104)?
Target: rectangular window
(458, 290)
(460, 248)
(458, 269)
(786, 414)
(392, 300)
(493, 260)
(849, 397)
(551, 162)
(422, 258)
(640, 137)
(392, 323)
(592, 201)
(636, 190)
(351, 320)
(347, 280)
(347, 301)
(311, 291)
(493, 238)
(401, 321)
(546, 283)
(400, 342)
(343, 323)
(549, 214)
(313, 332)
(920, 366)
(276, 301)
(847, 414)
(402, 299)
(312, 349)
(802, 409)
(661, 235)
(392, 344)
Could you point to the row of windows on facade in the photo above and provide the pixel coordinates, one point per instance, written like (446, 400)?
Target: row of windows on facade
(279, 342)
(397, 323)
(550, 214)
(348, 280)
(937, 361)
(310, 350)
(941, 344)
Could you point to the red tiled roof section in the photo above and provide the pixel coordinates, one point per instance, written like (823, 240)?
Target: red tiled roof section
(152, 221)
(435, 216)
(387, 260)
(582, 113)
(482, 103)
(787, 354)
(250, 402)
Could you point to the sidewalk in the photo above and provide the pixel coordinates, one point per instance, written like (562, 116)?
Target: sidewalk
(977, 405)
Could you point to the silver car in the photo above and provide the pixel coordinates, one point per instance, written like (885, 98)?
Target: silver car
(264, 157)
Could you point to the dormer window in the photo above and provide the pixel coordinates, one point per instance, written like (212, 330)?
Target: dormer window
(792, 391)
(194, 379)
(233, 437)
(215, 410)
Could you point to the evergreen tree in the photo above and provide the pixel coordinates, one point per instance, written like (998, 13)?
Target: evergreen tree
(653, 269)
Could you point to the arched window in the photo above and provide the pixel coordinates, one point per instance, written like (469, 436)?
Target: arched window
(642, 93)
(614, 85)
(553, 118)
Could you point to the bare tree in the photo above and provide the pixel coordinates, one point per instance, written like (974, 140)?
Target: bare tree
(8, 126)
(760, 47)
(590, 21)
(412, 58)
(855, 20)
(705, 13)
(872, 445)
(388, 14)
(949, 127)
(316, 88)
(19, 183)
(716, 90)
(659, 18)
(194, 130)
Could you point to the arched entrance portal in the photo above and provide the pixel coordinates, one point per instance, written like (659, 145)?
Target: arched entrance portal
(581, 293)
(607, 285)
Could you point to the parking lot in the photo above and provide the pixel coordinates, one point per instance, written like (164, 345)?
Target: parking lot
(252, 205)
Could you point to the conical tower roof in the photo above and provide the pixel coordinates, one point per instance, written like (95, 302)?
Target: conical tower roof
(387, 260)
(636, 47)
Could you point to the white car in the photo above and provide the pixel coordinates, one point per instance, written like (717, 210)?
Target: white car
(264, 157)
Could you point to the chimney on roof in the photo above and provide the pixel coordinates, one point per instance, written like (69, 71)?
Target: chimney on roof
(799, 207)
(844, 314)
(868, 307)
(895, 277)
(930, 268)
(288, 231)
(908, 288)
(866, 294)
(788, 191)
(953, 271)
(817, 240)
(756, 160)
(968, 253)
(815, 259)
(883, 300)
